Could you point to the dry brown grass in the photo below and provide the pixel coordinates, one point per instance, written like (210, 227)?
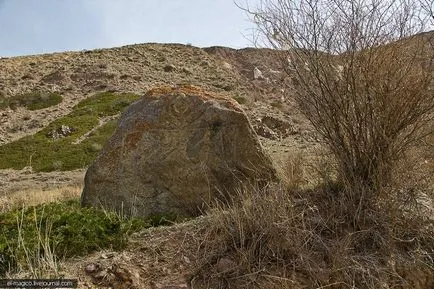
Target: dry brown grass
(27, 198)
(292, 170)
(273, 238)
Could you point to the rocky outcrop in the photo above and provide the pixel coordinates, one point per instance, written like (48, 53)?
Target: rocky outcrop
(175, 150)
(60, 132)
(273, 128)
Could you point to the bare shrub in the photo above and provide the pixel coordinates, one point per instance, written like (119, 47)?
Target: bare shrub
(428, 6)
(364, 78)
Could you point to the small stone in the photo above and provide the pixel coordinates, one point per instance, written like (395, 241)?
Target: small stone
(62, 131)
(257, 74)
(90, 268)
(186, 260)
(227, 65)
(186, 70)
(169, 68)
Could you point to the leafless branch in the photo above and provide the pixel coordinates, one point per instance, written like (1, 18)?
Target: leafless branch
(364, 77)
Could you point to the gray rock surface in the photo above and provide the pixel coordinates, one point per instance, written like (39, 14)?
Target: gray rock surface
(174, 151)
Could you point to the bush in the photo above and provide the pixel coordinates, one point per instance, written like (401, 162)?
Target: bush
(63, 229)
(32, 100)
(363, 77)
(31, 150)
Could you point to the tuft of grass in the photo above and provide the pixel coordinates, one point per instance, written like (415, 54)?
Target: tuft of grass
(63, 154)
(59, 230)
(293, 169)
(33, 100)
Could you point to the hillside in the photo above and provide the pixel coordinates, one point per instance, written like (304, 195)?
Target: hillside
(57, 111)
(77, 76)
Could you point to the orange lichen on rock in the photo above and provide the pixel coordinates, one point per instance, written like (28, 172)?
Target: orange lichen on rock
(191, 90)
(180, 148)
(175, 90)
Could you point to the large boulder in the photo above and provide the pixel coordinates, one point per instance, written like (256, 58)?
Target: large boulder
(175, 150)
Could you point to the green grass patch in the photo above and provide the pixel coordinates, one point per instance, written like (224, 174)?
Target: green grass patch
(106, 104)
(44, 153)
(32, 100)
(66, 229)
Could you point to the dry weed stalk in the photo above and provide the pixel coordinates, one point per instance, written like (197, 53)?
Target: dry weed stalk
(41, 261)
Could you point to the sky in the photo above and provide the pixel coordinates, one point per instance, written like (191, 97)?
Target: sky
(45, 26)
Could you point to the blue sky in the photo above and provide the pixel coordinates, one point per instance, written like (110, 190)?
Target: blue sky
(44, 26)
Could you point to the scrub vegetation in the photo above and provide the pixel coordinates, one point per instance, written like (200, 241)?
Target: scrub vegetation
(63, 153)
(32, 238)
(32, 100)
